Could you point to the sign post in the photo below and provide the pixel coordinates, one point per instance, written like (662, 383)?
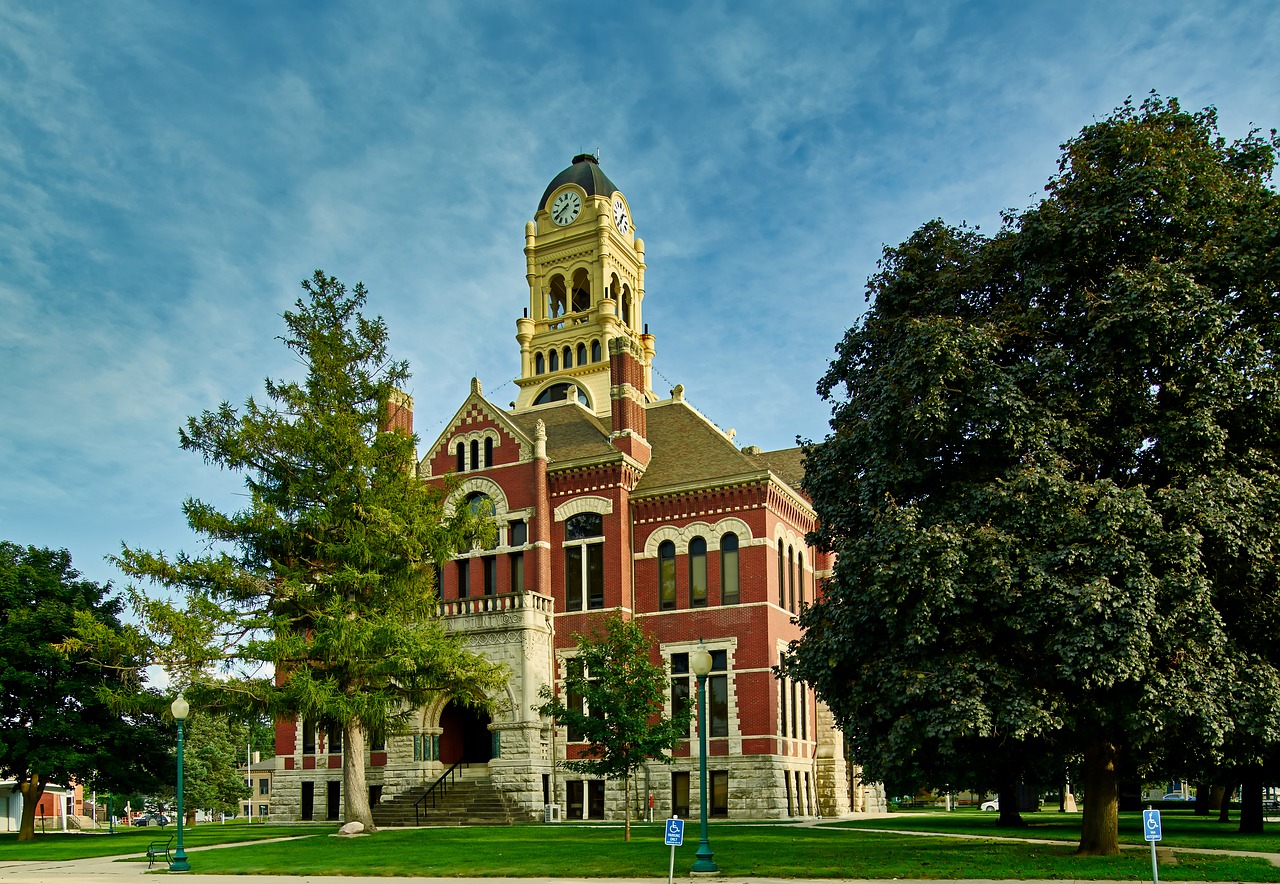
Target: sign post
(674, 837)
(1151, 831)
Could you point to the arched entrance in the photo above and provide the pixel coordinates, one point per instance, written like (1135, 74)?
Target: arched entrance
(465, 735)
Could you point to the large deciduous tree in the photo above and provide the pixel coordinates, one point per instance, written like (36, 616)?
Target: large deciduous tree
(67, 716)
(326, 574)
(614, 698)
(1052, 474)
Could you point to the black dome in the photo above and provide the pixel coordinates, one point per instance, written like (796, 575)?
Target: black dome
(585, 172)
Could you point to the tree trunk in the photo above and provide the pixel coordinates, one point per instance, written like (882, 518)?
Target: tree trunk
(32, 788)
(355, 788)
(1009, 815)
(1100, 825)
(626, 789)
(1224, 809)
(1251, 801)
(1204, 797)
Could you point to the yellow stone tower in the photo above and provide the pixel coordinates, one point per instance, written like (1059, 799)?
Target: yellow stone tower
(585, 268)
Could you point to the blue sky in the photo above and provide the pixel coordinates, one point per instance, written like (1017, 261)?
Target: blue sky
(169, 171)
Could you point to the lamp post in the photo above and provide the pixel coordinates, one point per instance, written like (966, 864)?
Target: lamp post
(700, 663)
(180, 709)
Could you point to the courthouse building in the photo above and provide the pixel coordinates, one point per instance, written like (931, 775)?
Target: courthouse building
(609, 495)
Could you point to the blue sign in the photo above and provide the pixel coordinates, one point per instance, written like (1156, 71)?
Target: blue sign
(675, 832)
(1151, 825)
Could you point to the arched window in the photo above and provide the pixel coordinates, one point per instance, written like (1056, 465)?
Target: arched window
(782, 574)
(666, 575)
(791, 578)
(555, 360)
(560, 393)
(539, 364)
(729, 569)
(800, 575)
(584, 562)
(557, 298)
(568, 357)
(475, 454)
(626, 306)
(582, 354)
(595, 351)
(697, 573)
(481, 506)
(488, 451)
(462, 458)
(581, 291)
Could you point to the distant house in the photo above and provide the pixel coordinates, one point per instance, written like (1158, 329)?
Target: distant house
(56, 804)
(258, 776)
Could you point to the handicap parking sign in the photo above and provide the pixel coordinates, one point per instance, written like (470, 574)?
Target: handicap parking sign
(675, 832)
(1151, 825)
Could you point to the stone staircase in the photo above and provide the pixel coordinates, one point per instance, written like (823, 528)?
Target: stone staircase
(468, 802)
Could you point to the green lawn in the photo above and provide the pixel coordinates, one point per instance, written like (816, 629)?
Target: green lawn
(838, 850)
(82, 845)
(1180, 828)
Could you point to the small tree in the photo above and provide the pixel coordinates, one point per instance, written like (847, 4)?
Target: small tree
(66, 715)
(617, 696)
(211, 781)
(326, 575)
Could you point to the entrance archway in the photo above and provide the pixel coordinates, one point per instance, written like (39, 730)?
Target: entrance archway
(465, 735)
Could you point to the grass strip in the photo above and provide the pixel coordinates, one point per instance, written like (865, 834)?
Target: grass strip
(59, 846)
(740, 850)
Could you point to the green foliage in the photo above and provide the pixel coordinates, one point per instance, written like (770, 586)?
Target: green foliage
(1052, 474)
(214, 745)
(325, 576)
(621, 694)
(66, 715)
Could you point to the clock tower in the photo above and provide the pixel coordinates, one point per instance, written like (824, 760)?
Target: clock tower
(585, 268)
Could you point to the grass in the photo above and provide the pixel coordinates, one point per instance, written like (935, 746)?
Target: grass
(1180, 828)
(59, 846)
(837, 850)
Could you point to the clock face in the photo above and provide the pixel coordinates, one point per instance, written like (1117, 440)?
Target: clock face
(566, 208)
(620, 216)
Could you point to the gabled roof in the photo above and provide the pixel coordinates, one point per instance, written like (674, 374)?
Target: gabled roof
(786, 463)
(572, 431)
(687, 448)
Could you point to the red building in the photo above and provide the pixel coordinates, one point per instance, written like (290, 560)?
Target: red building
(608, 496)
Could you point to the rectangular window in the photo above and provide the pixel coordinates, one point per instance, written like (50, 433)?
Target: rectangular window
(574, 700)
(782, 575)
(680, 685)
(573, 577)
(698, 573)
(375, 795)
(782, 707)
(595, 576)
(335, 739)
(417, 748)
(490, 575)
(264, 787)
(333, 796)
(308, 737)
(308, 801)
(804, 713)
(464, 578)
(718, 696)
(719, 792)
(795, 713)
(517, 572)
(519, 530)
(262, 811)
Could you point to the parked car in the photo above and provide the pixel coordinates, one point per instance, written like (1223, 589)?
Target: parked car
(1176, 796)
(993, 804)
(152, 819)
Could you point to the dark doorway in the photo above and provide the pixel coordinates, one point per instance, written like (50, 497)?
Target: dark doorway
(334, 797)
(595, 799)
(465, 736)
(308, 800)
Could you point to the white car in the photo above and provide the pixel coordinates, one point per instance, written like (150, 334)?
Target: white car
(993, 804)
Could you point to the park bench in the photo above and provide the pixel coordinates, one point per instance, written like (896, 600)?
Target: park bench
(157, 849)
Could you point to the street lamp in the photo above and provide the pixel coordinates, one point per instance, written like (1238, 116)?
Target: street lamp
(180, 709)
(700, 663)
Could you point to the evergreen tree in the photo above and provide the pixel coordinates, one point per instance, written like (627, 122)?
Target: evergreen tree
(614, 698)
(316, 599)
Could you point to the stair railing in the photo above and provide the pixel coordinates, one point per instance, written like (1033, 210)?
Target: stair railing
(439, 788)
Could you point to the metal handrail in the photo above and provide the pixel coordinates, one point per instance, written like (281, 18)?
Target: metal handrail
(442, 784)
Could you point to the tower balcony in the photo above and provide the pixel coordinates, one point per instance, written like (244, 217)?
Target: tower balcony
(502, 611)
